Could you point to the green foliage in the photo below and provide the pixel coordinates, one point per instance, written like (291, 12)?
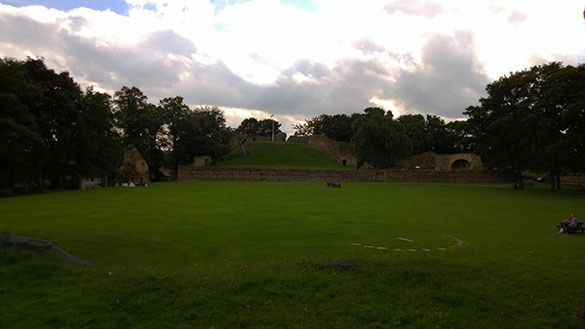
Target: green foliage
(280, 155)
(249, 254)
(336, 127)
(50, 125)
(532, 119)
(141, 123)
(379, 140)
(254, 128)
(416, 130)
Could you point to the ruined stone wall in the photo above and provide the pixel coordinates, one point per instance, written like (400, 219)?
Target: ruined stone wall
(441, 161)
(202, 161)
(190, 173)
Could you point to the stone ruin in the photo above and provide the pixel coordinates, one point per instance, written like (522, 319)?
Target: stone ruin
(202, 161)
(442, 162)
(134, 169)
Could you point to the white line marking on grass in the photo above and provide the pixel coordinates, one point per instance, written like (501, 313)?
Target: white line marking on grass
(382, 248)
(405, 239)
(411, 249)
(397, 249)
(355, 243)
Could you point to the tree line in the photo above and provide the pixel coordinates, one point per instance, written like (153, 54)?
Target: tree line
(532, 119)
(381, 140)
(49, 126)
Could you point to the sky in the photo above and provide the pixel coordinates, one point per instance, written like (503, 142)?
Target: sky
(296, 59)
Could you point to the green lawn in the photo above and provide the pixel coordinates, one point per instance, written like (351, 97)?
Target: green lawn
(250, 255)
(280, 155)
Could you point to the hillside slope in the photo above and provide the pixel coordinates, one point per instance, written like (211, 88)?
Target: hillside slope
(280, 155)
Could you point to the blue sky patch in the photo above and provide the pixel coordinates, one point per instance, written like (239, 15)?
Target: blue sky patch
(117, 6)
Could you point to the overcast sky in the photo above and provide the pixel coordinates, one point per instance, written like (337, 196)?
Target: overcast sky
(296, 59)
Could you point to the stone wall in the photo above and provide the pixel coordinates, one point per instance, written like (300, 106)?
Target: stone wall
(202, 161)
(466, 161)
(190, 173)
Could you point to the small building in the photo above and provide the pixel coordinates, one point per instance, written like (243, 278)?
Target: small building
(202, 161)
(84, 179)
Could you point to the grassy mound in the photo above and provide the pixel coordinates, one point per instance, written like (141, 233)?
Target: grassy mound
(251, 254)
(280, 155)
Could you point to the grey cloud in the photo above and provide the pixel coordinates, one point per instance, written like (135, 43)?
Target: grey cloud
(367, 46)
(19, 30)
(171, 42)
(310, 69)
(427, 8)
(516, 17)
(346, 89)
(449, 80)
(145, 65)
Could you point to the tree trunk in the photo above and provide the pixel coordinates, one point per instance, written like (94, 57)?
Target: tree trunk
(558, 181)
(552, 181)
(519, 180)
(41, 181)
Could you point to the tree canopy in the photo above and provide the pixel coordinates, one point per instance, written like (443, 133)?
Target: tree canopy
(50, 127)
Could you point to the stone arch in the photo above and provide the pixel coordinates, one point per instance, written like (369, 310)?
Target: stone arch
(464, 161)
(460, 164)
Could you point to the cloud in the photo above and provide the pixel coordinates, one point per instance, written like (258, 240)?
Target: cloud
(367, 46)
(263, 56)
(427, 8)
(448, 79)
(516, 17)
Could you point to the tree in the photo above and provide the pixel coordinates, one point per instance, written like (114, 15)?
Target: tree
(249, 126)
(460, 139)
(502, 133)
(378, 139)
(57, 111)
(141, 123)
(336, 127)
(103, 145)
(254, 128)
(201, 132)
(440, 141)
(416, 130)
(175, 113)
(21, 146)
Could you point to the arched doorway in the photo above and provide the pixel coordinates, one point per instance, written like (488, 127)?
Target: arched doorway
(460, 164)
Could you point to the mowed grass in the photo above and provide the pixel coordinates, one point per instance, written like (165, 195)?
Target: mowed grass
(250, 255)
(280, 155)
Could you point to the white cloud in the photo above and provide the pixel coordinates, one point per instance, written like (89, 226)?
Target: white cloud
(263, 57)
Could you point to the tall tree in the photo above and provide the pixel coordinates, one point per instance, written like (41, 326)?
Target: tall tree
(336, 127)
(459, 137)
(57, 111)
(141, 123)
(175, 113)
(440, 141)
(254, 128)
(378, 139)
(502, 133)
(416, 130)
(102, 144)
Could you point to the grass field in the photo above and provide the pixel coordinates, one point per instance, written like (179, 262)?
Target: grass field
(280, 155)
(250, 255)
